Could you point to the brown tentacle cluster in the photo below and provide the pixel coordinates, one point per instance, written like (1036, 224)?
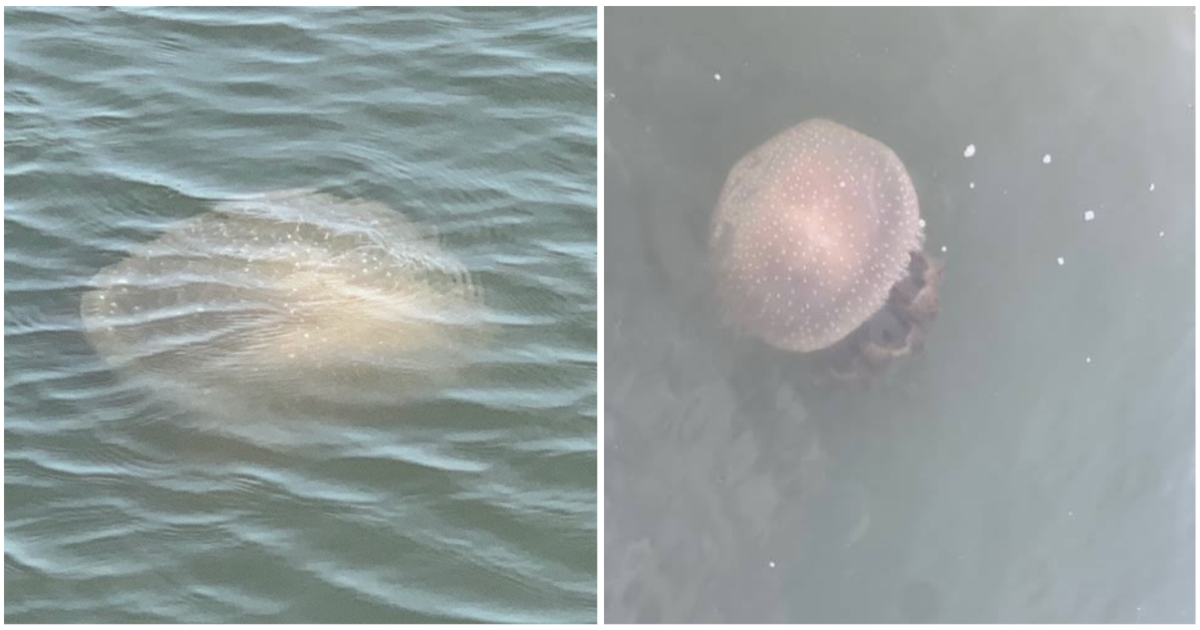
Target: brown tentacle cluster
(896, 331)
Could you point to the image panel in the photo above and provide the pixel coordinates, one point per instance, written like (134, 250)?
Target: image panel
(899, 315)
(300, 315)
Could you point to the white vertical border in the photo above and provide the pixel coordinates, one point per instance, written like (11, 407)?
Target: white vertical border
(600, 313)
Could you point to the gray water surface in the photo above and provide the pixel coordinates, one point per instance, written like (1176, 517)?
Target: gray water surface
(472, 501)
(1036, 462)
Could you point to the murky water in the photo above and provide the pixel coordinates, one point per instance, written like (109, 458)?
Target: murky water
(1036, 461)
(202, 459)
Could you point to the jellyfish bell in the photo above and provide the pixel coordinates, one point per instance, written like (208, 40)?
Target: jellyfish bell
(284, 303)
(816, 247)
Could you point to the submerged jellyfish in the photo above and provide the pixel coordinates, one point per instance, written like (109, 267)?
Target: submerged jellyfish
(287, 301)
(816, 244)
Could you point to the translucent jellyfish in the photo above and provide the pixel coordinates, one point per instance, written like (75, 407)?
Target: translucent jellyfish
(286, 302)
(817, 241)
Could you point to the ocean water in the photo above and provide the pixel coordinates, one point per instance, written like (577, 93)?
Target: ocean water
(1035, 463)
(475, 501)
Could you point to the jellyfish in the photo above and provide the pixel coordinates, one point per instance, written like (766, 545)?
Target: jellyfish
(816, 247)
(287, 302)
